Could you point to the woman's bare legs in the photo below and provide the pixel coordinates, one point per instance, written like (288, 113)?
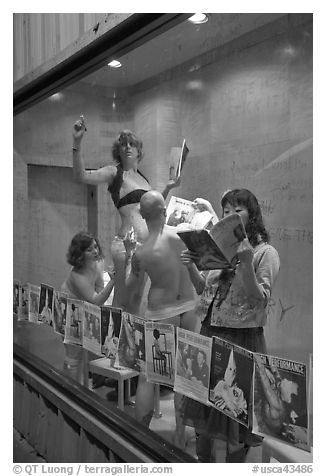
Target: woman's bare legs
(144, 400)
(191, 322)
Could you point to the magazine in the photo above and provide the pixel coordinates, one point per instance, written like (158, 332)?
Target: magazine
(34, 292)
(231, 378)
(131, 346)
(92, 328)
(216, 248)
(177, 160)
(23, 303)
(16, 286)
(74, 322)
(60, 312)
(280, 400)
(193, 358)
(45, 311)
(160, 352)
(184, 215)
(110, 330)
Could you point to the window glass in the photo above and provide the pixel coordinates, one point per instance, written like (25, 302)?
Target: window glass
(238, 89)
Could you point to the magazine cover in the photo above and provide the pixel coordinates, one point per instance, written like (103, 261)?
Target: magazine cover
(216, 248)
(160, 352)
(23, 303)
(60, 312)
(228, 234)
(184, 215)
(178, 158)
(92, 328)
(131, 346)
(110, 330)
(34, 292)
(231, 379)
(280, 400)
(74, 322)
(193, 358)
(16, 286)
(45, 311)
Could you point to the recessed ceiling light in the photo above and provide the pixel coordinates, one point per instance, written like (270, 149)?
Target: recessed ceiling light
(56, 97)
(114, 64)
(198, 18)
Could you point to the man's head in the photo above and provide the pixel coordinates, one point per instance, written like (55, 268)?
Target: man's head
(152, 206)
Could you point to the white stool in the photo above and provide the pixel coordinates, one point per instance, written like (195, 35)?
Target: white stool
(103, 367)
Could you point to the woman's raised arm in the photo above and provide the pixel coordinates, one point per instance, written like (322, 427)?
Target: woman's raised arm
(91, 177)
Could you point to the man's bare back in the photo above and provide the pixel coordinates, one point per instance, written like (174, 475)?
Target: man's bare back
(160, 259)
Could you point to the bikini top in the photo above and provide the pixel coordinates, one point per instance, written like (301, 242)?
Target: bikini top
(132, 197)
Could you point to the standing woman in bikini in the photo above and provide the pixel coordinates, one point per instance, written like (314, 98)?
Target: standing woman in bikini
(126, 186)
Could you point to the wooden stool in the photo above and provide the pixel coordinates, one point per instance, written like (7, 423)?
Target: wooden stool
(283, 453)
(103, 367)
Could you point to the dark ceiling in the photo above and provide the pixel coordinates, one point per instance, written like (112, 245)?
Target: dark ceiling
(178, 45)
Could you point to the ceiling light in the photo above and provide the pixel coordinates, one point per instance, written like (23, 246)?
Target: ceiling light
(114, 64)
(194, 85)
(56, 97)
(198, 18)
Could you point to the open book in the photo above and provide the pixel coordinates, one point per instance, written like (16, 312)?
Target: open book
(216, 248)
(184, 215)
(177, 160)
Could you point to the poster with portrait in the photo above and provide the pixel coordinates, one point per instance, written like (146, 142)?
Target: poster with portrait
(110, 330)
(45, 311)
(34, 292)
(131, 345)
(60, 312)
(231, 378)
(280, 400)
(160, 352)
(16, 286)
(184, 215)
(23, 303)
(193, 356)
(92, 328)
(74, 322)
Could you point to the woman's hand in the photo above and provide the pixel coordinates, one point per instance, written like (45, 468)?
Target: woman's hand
(111, 272)
(173, 183)
(203, 205)
(79, 130)
(130, 241)
(187, 257)
(245, 252)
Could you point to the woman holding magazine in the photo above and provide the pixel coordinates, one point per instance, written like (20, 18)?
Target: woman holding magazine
(126, 185)
(233, 307)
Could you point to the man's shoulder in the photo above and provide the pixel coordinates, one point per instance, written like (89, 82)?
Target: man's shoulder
(172, 233)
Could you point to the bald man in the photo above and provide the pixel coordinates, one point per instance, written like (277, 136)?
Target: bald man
(171, 293)
(171, 297)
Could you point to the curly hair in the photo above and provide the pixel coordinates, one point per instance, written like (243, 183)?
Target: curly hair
(124, 136)
(79, 244)
(255, 227)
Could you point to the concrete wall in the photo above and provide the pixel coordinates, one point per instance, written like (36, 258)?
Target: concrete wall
(246, 114)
